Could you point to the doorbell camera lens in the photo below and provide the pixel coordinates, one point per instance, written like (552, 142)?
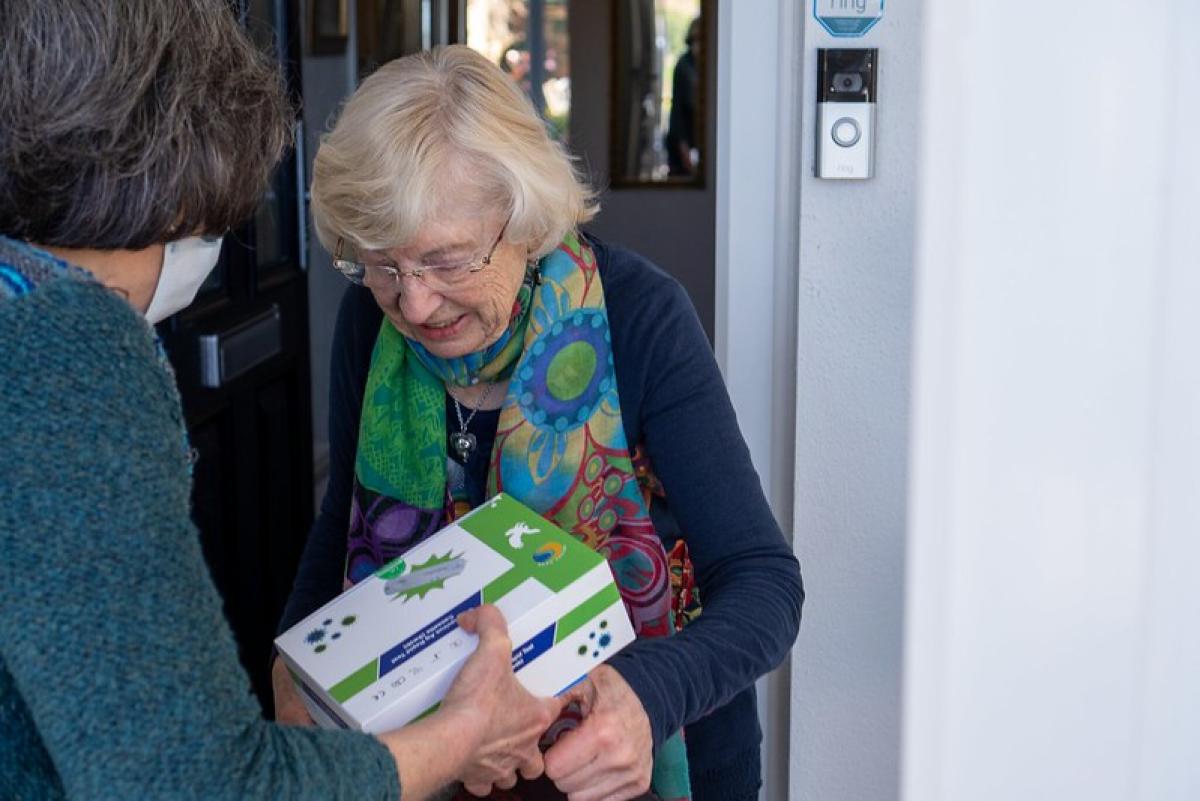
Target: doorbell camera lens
(847, 82)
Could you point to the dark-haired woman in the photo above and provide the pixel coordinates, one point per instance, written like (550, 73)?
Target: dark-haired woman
(135, 132)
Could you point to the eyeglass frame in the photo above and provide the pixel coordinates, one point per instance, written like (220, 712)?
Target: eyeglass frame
(398, 273)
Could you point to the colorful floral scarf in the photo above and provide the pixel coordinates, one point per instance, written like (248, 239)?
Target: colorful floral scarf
(560, 448)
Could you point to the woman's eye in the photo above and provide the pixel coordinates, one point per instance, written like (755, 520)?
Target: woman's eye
(449, 268)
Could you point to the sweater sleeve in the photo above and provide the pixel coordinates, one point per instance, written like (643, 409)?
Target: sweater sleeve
(109, 624)
(320, 575)
(747, 575)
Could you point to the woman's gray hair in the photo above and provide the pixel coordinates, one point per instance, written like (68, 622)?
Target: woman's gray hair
(432, 127)
(130, 122)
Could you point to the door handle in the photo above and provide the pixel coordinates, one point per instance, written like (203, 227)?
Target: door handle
(228, 354)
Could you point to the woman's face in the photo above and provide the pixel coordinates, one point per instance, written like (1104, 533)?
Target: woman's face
(471, 316)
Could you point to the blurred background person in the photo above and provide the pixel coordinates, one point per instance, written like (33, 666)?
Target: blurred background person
(681, 124)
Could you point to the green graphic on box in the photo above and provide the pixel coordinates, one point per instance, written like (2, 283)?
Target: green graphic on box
(385, 652)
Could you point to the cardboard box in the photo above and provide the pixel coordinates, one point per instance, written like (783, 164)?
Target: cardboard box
(384, 653)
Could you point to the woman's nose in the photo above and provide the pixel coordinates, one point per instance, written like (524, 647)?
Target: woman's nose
(417, 301)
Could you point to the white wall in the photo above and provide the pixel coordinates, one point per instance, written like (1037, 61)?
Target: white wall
(855, 315)
(1053, 599)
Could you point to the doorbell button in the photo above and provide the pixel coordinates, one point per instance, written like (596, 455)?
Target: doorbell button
(847, 79)
(846, 132)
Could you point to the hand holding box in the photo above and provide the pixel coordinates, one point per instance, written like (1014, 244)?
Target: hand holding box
(385, 652)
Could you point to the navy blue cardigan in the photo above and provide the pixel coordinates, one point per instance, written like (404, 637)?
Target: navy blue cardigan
(674, 402)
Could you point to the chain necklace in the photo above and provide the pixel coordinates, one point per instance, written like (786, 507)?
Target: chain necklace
(463, 441)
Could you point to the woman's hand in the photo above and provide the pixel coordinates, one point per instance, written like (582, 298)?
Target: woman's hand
(495, 707)
(610, 756)
(289, 708)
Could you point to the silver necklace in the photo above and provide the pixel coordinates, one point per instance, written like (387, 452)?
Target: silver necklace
(463, 441)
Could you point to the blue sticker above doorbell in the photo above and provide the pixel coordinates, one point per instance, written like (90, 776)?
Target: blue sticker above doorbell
(846, 79)
(847, 17)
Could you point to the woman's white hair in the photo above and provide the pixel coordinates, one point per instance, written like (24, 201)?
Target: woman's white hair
(436, 126)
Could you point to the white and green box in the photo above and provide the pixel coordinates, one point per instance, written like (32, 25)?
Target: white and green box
(384, 653)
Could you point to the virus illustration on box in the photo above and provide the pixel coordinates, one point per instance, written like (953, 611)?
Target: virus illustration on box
(316, 638)
(429, 575)
(597, 641)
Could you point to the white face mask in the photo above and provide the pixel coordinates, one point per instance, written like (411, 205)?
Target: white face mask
(186, 263)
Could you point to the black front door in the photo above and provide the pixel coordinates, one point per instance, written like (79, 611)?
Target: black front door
(241, 359)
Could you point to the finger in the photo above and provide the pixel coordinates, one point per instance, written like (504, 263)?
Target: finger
(620, 791)
(596, 774)
(478, 790)
(507, 783)
(533, 766)
(573, 752)
(629, 791)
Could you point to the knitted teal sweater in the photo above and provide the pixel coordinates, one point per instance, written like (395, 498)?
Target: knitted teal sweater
(118, 674)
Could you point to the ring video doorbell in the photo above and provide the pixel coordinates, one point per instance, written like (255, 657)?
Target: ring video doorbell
(846, 112)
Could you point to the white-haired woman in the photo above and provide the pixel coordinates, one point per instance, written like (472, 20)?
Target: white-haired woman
(135, 132)
(488, 344)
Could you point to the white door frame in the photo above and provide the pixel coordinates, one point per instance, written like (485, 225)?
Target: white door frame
(757, 217)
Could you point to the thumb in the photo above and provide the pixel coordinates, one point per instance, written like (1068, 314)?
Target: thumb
(469, 620)
(488, 623)
(482, 620)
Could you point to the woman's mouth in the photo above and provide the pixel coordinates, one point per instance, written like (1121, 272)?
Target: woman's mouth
(441, 331)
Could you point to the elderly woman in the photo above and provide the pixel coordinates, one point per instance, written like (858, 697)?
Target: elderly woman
(486, 345)
(135, 133)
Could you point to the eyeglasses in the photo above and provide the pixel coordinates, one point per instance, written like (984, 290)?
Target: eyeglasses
(439, 278)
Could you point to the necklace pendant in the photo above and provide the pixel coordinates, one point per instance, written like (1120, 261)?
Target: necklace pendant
(464, 443)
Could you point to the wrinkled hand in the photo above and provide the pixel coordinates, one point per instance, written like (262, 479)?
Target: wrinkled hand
(495, 707)
(610, 756)
(289, 708)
